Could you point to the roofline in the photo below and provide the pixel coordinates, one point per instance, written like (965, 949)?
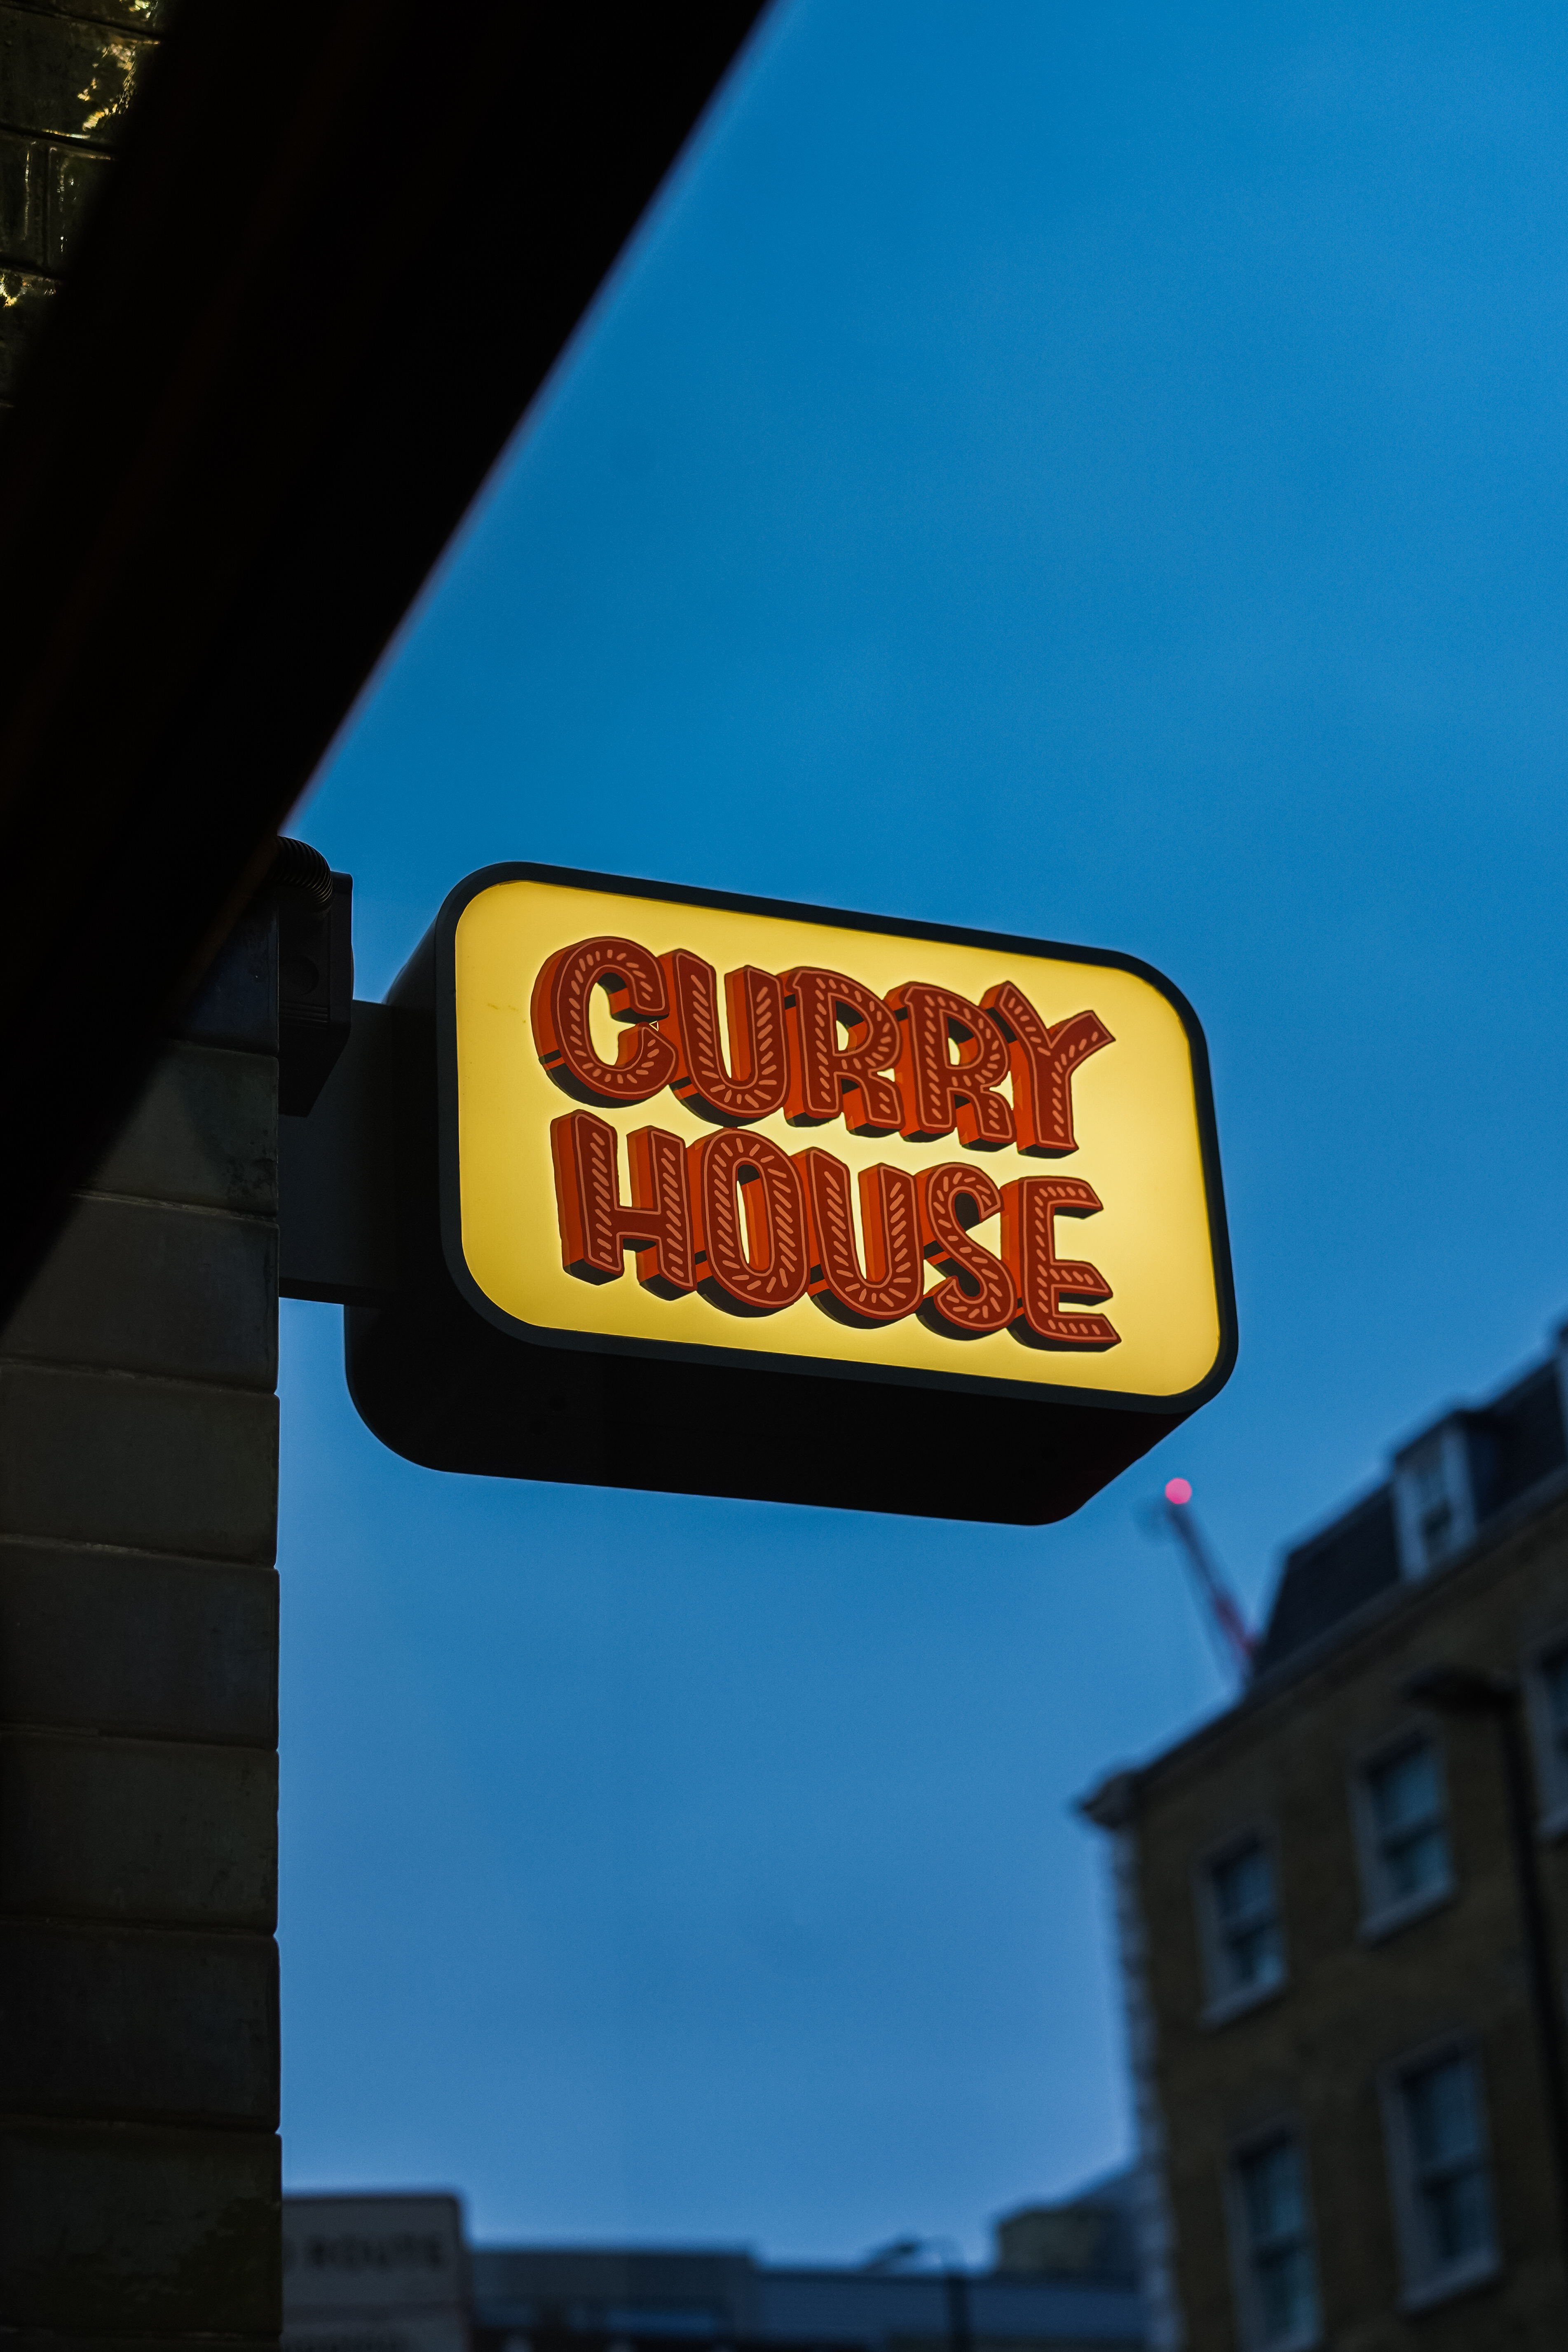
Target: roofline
(1113, 1802)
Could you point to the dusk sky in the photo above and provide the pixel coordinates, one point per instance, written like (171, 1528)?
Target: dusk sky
(1092, 473)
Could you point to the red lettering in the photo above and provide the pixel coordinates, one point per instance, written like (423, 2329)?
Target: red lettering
(827, 1076)
(978, 1296)
(597, 1226)
(1030, 1207)
(753, 1000)
(631, 979)
(938, 1093)
(749, 1221)
(1044, 1060)
(893, 1279)
(736, 1217)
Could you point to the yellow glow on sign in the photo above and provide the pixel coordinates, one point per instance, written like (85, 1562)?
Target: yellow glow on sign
(1134, 1111)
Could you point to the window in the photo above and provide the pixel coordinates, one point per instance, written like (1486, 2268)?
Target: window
(1434, 1507)
(1275, 2274)
(1245, 1944)
(1442, 2188)
(1434, 1496)
(1404, 1835)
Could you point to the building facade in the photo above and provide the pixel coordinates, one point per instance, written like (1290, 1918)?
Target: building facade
(1339, 2079)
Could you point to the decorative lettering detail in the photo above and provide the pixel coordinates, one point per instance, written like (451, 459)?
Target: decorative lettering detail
(597, 1226)
(1030, 1207)
(893, 1280)
(828, 1079)
(1044, 1060)
(938, 1092)
(630, 977)
(753, 1000)
(750, 1260)
(736, 1217)
(978, 1296)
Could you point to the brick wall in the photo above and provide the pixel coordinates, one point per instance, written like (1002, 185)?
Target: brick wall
(69, 70)
(138, 2159)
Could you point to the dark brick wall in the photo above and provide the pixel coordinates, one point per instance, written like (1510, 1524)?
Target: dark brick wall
(140, 2197)
(139, 2157)
(68, 70)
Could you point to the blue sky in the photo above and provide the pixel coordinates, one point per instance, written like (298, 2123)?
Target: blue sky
(1093, 474)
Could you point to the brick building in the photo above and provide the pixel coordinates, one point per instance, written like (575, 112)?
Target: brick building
(1338, 2071)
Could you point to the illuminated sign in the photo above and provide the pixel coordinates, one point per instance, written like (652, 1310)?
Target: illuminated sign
(737, 1197)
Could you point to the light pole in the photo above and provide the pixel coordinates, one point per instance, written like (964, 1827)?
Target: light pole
(1475, 1692)
(960, 2335)
(955, 2280)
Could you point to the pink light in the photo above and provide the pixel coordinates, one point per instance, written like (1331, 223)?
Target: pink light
(1178, 1490)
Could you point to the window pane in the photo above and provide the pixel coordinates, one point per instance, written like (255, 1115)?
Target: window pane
(1243, 1885)
(1429, 1478)
(1458, 2216)
(1435, 1527)
(1246, 1916)
(1272, 2185)
(1256, 1957)
(1287, 2299)
(1416, 1863)
(1278, 2249)
(1443, 2117)
(1444, 2126)
(1404, 1790)
(1406, 1800)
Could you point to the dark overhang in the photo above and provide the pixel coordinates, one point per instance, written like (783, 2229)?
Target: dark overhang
(341, 247)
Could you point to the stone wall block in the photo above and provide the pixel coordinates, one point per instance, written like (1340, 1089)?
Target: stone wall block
(23, 192)
(76, 175)
(140, 2233)
(155, 1466)
(143, 2026)
(165, 1832)
(129, 1642)
(144, 1288)
(204, 1132)
(66, 78)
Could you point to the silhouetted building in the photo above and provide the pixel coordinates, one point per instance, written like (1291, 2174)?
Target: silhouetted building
(1066, 2281)
(1090, 2236)
(376, 2273)
(391, 2273)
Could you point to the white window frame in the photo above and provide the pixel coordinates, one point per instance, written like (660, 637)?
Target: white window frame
(1238, 2230)
(1224, 2000)
(1434, 1498)
(1382, 1912)
(1424, 2283)
(1550, 1759)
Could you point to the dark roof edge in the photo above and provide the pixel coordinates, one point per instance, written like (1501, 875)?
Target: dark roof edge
(1318, 1528)
(1114, 1800)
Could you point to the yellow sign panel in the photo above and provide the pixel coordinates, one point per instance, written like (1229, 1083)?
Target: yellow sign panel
(681, 1123)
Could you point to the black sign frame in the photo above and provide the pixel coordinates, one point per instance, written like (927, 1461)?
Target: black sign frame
(449, 1379)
